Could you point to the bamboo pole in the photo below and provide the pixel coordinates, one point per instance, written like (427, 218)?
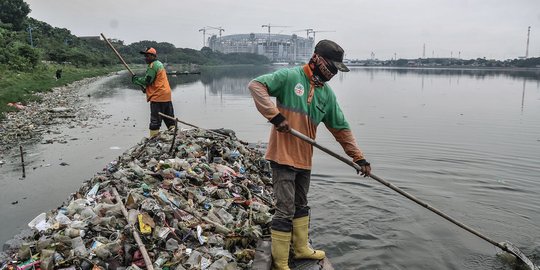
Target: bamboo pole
(117, 54)
(191, 125)
(136, 235)
(503, 246)
(22, 162)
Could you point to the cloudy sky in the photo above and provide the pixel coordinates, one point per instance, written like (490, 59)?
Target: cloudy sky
(495, 29)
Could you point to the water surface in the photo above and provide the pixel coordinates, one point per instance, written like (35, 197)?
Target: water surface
(464, 141)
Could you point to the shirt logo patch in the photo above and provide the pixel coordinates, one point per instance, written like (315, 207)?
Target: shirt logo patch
(299, 89)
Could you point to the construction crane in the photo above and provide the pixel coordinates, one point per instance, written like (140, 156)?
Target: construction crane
(269, 26)
(217, 28)
(314, 32)
(203, 30)
(308, 30)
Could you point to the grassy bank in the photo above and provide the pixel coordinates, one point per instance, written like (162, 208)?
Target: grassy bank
(20, 86)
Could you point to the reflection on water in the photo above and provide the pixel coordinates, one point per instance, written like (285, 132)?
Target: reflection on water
(232, 80)
(217, 80)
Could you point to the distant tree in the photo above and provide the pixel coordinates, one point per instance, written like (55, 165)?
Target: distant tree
(206, 51)
(14, 12)
(401, 62)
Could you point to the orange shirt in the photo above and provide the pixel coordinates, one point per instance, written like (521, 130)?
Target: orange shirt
(159, 89)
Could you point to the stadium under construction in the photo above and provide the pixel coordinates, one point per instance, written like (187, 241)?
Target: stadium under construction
(277, 47)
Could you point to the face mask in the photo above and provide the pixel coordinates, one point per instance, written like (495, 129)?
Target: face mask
(323, 69)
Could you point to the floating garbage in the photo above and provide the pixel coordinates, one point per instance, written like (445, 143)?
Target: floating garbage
(198, 201)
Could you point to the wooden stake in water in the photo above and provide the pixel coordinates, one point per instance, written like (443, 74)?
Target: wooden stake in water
(22, 162)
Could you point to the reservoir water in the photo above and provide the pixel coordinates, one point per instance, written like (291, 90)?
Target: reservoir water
(464, 141)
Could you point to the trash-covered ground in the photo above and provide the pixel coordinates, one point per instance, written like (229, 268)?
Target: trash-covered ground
(198, 200)
(62, 105)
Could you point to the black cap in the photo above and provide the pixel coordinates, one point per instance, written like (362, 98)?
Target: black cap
(333, 52)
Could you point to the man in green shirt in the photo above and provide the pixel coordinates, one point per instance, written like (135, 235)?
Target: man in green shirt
(158, 91)
(303, 101)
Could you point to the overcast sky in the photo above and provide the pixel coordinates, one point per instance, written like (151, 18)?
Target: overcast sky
(476, 28)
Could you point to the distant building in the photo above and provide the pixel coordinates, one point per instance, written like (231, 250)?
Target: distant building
(277, 47)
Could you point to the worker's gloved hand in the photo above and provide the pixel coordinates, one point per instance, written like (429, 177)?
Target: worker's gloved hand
(283, 127)
(281, 123)
(365, 167)
(137, 80)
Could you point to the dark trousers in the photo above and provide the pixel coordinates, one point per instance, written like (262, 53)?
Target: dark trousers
(155, 118)
(291, 186)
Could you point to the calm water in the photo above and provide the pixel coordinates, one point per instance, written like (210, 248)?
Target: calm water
(466, 142)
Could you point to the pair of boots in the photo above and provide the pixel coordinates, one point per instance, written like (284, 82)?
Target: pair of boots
(281, 243)
(155, 132)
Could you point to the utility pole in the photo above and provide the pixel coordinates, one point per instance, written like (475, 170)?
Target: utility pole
(527, 50)
(424, 51)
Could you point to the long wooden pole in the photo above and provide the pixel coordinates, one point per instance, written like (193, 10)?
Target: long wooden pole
(349, 162)
(191, 125)
(22, 162)
(117, 54)
(136, 235)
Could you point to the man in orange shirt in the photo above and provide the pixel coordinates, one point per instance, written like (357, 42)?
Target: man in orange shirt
(158, 91)
(303, 101)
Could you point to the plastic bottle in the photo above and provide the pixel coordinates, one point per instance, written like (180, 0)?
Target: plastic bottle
(162, 259)
(78, 247)
(73, 232)
(259, 207)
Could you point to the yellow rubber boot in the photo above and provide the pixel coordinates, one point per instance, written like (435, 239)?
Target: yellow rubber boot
(281, 245)
(300, 241)
(154, 133)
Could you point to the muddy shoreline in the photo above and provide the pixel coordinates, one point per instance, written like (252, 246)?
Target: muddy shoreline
(60, 106)
(65, 139)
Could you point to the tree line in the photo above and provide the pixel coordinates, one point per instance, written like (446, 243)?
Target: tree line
(27, 42)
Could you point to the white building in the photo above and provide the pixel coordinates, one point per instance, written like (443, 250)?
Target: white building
(277, 47)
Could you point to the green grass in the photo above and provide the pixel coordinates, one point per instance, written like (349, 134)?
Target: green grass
(20, 86)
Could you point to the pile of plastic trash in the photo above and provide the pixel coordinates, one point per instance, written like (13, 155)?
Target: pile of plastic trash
(196, 199)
